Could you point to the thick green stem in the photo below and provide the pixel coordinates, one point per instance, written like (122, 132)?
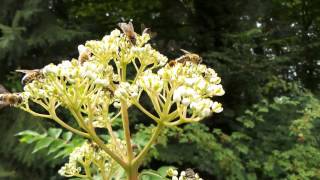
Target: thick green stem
(101, 144)
(126, 128)
(138, 160)
(87, 170)
(132, 173)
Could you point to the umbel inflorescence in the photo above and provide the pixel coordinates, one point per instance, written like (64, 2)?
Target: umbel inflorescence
(95, 83)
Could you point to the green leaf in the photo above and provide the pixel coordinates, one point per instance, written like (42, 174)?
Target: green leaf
(29, 139)
(56, 145)
(152, 175)
(28, 132)
(67, 136)
(54, 132)
(164, 169)
(64, 153)
(43, 143)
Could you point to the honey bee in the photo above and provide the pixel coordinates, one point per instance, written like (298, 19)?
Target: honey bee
(172, 63)
(94, 146)
(84, 54)
(128, 30)
(146, 30)
(190, 174)
(30, 75)
(187, 57)
(10, 98)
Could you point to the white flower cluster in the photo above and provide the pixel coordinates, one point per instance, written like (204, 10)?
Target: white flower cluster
(126, 91)
(189, 85)
(73, 71)
(107, 48)
(151, 82)
(71, 83)
(189, 174)
(88, 153)
(147, 55)
(116, 47)
(196, 84)
(78, 156)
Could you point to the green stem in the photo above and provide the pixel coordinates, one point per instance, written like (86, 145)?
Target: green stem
(126, 128)
(138, 160)
(145, 111)
(87, 170)
(63, 124)
(52, 115)
(103, 171)
(125, 118)
(132, 173)
(97, 140)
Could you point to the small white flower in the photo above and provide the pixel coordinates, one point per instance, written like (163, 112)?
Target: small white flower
(102, 82)
(190, 81)
(175, 173)
(82, 49)
(115, 33)
(206, 112)
(216, 107)
(186, 101)
(51, 68)
(176, 96)
(175, 178)
(202, 84)
(117, 104)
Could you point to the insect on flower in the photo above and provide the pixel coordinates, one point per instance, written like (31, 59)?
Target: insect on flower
(146, 30)
(190, 173)
(128, 30)
(187, 57)
(10, 98)
(84, 54)
(30, 75)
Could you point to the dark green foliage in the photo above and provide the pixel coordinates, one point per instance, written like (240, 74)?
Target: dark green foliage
(285, 140)
(29, 30)
(17, 159)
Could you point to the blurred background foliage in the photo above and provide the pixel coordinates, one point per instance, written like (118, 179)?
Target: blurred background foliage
(267, 53)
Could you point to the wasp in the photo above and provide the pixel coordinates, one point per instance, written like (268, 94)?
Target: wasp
(187, 57)
(128, 30)
(11, 98)
(30, 75)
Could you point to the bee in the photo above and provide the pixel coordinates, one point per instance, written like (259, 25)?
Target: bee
(172, 63)
(187, 57)
(10, 98)
(30, 75)
(146, 30)
(128, 30)
(94, 146)
(84, 54)
(190, 174)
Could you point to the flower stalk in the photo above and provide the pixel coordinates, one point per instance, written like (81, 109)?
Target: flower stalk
(180, 92)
